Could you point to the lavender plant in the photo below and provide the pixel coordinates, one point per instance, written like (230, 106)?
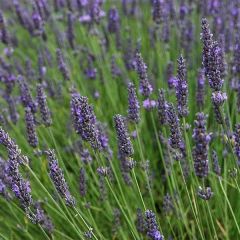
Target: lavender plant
(109, 129)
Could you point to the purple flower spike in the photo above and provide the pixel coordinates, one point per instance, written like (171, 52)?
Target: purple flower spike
(125, 147)
(31, 128)
(152, 227)
(144, 86)
(133, 104)
(56, 174)
(182, 89)
(175, 140)
(85, 120)
(42, 103)
(206, 37)
(200, 151)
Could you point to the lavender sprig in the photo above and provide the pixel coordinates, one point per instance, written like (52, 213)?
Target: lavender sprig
(152, 226)
(42, 103)
(133, 104)
(200, 151)
(85, 120)
(144, 86)
(31, 128)
(125, 147)
(182, 88)
(56, 174)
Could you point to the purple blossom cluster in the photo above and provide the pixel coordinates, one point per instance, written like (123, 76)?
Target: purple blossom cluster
(56, 174)
(200, 151)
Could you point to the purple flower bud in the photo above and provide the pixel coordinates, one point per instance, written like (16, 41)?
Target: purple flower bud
(200, 151)
(152, 226)
(42, 103)
(182, 89)
(103, 171)
(125, 147)
(22, 191)
(175, 140)
(205, 193)
(218, 98)
(31, 128)
(144, 86)
(56, 174)
(133, 104)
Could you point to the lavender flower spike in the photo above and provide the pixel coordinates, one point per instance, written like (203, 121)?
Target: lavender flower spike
(125, 147)
(175, 140)
(152, 227)
(200, 151)
(31, 128)
(206, 37)
(42, 103)
(85, 120)
(145, 87)
(133, 104)
(182, 88)
(56, 174)
(20, 187)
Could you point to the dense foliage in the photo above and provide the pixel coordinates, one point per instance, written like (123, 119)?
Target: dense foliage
(119, 119)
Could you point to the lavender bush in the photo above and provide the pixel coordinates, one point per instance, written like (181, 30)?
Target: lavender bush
(119, 119)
